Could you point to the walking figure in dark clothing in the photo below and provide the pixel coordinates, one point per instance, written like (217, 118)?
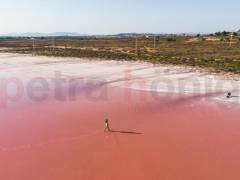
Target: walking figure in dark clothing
(229, 95)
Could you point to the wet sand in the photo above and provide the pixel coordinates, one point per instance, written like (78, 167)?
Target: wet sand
(156, 135)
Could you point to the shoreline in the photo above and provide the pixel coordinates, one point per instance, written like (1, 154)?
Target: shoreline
(215, 66)
(208, 70)
(135, 75)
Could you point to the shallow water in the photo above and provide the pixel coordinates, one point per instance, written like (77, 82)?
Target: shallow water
(156, 136)
(167, 122)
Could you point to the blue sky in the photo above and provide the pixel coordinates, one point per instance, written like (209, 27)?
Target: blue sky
(115, 16)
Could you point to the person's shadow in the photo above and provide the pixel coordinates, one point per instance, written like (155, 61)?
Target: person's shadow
(126, 132)
(230, 97)
(234, 97)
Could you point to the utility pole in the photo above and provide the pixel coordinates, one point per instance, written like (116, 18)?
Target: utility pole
(33, 45)
(136, 46)
(231, 38)
(53, 42)
(154, 39)
(53, 45)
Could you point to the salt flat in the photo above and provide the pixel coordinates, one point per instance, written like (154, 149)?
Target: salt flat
(135, 75)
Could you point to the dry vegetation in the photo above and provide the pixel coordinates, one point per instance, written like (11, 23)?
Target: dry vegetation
(215, 52)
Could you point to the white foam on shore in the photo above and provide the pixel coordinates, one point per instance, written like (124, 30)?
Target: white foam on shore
(136, 75)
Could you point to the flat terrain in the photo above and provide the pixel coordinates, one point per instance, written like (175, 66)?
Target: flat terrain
(217, 53)
(168, 122)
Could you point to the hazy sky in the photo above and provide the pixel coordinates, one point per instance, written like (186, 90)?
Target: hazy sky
(115, 16)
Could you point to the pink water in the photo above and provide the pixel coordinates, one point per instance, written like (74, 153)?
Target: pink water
(175, 137)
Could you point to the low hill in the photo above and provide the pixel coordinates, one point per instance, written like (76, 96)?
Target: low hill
(35, 34)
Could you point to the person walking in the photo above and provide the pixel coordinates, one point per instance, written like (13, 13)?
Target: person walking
(107, 127)
(229, 95)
